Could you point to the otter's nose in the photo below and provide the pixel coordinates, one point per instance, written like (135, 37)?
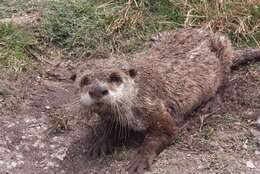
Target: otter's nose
(97, 91)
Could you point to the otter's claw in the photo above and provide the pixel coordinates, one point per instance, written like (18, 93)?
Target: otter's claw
(141, 163)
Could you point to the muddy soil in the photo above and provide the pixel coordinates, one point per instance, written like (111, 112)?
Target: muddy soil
(43, 129)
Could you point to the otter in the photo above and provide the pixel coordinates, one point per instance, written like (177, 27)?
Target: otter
(152, 92)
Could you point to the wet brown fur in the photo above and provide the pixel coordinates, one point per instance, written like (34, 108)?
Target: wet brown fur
(181, 71)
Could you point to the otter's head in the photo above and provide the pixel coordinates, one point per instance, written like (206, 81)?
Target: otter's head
(108, 88)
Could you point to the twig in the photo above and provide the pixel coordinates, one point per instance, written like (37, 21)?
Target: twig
(2, 44)
(205, 116)
(36, 57)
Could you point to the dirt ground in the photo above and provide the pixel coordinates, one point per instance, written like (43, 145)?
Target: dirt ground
(43, 130)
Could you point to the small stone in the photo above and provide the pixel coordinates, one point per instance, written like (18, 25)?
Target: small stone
(12, 165)
(27, 148)
(250, 164)
(257, 152)
(19, 156)
(51, 164)
(257, 123)
(258, 120)
(55, 138)
(47, 107)
(26, 120)
(60, 154)
(38, 77)
(256, 134)
(11, 125)
(201, 167)
(20, 162)
(245, 146)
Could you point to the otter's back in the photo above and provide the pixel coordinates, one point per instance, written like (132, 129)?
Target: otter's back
(187, 66)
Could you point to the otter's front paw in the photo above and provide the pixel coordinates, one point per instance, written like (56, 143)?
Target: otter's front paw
(141, 162)
(100, 147)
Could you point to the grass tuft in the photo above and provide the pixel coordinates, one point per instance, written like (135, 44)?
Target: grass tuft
(238, 19)
(14, 41)
(10, 7)
(99, 27)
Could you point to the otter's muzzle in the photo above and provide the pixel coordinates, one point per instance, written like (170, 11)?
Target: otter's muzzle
(97, 90)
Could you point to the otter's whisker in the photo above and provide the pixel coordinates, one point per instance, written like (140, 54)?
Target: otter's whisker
(119, 121)
(75, 102)
(122, 122)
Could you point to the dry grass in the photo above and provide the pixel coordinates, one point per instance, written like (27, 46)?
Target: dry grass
(238, 19)
(101, 27)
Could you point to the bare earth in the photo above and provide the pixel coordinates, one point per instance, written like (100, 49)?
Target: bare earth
(43, 130)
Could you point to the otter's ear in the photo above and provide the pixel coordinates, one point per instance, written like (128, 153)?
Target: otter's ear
(84, 81)
(132, 72)
(129, 69)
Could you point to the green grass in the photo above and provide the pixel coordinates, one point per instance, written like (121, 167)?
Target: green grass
(99, 27)
(9, 7)
(237, 19)
(96, 27)
(14, 41)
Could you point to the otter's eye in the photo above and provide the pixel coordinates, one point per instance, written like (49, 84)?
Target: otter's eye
(84, 81)
(114, 77)
(132, 72)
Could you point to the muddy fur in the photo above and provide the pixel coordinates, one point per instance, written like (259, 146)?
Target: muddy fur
(179, 73)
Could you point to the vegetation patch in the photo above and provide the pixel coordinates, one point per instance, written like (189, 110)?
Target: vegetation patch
(90, 27)
(11, 7)
(237, 19)
(14, 42)
(83, 28)
(101, 27)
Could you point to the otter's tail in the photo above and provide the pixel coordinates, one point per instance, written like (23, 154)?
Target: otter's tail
(222, 46)
(231, 58)
(243, 56)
